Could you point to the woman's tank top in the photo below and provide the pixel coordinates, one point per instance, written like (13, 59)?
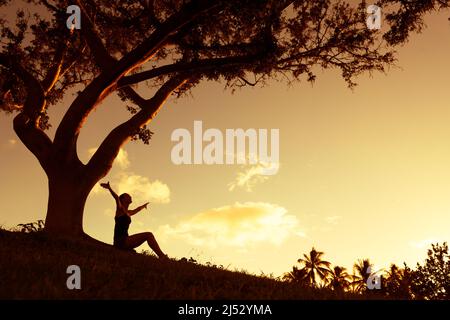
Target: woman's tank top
(121, 228)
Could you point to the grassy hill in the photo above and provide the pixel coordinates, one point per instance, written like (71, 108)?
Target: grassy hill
(34, 267)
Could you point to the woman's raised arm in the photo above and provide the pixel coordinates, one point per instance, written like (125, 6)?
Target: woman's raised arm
(108, 187)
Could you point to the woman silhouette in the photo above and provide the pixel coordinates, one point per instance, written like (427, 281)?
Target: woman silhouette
(123, 219)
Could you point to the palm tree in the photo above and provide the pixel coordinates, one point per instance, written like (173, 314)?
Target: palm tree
(393, 273)
(296, 276)
(315, 267)
(338, 279)
(362, 270)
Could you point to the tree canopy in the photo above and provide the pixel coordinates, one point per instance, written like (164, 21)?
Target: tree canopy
(249, 42)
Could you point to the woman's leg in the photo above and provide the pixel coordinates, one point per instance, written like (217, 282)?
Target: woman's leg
(136, 240)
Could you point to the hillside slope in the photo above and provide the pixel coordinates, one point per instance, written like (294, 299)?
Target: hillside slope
(34, 267)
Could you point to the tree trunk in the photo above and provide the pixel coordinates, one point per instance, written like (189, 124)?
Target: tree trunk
(68, 192)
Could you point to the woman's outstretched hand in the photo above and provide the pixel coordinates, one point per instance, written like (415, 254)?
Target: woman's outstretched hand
(105, 185)
(144, 206)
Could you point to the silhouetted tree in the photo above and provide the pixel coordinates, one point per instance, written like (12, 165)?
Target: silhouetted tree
(362, 270)
(431, 281)
(396, 282)
(315, 267)
(31, 227)
(297, 275)
(171, 45)
(338, 279)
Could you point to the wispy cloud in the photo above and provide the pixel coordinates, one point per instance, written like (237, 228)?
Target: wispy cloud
(333, 219)
(121, 160)
(238, 225)
(8, 143)
(251, 176)
(142, 189)
(425, 243)
(248, 179)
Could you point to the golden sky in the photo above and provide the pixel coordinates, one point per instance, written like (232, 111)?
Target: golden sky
(363, 173)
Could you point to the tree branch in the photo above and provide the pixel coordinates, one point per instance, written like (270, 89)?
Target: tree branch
(102, 57)
(26, 122)
(134, 97)
(101, 162)
(50, 6)
(35, 101)
(199, 65)
(149, 6)
(55, 71)
(34, 139)
(98, 50)
(68, 130)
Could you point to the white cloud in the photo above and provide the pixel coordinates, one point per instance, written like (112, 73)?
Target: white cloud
(142, 189)
(97, 189)
(250, 177)
(238, 225)
(139, 187)
(121, 160)
(333, 219)
(301, 234)
(425, 243)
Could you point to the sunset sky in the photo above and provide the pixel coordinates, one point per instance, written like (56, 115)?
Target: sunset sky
(363, 173)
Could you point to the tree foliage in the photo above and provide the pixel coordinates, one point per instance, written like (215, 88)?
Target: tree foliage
(396, 282)
(248, 43)
(31, 227)
(431, 280)
(407, 17)
(338, 279)
(315, 267)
